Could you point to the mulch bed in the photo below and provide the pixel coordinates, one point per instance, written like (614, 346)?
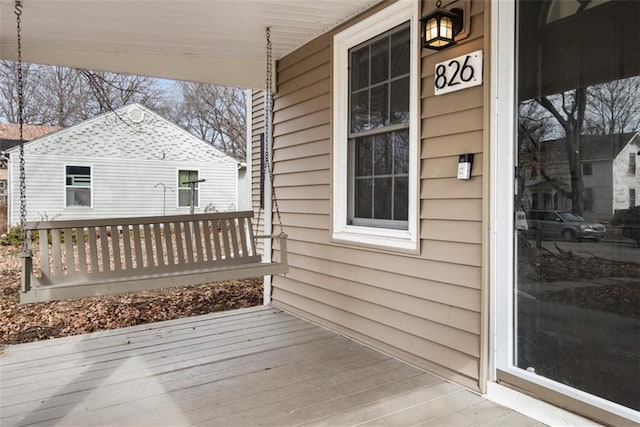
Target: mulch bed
(622, 298)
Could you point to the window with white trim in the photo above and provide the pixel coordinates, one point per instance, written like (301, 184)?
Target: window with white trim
(379, 130)
(78, 186)
(185, 178)
(375, 124)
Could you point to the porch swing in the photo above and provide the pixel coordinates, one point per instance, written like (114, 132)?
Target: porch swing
(81, 258)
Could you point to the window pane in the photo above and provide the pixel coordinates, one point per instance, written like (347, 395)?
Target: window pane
(401, 198)
(360, 68)
(576, 266)
(184, 198)
(78, 170)
(380, 61)
(401, 152)
(78, 196)
(375, 162)
(185, 176)
(360, 111)
(400, 101)
(383, 154)
(400, 53)
(383, 201)
(363, 198)
(364, 156)
(78, 185)
(379, 106)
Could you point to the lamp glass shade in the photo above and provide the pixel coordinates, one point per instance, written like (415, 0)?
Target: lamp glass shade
(438, 29)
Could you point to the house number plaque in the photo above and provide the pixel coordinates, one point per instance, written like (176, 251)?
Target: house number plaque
(458, 73)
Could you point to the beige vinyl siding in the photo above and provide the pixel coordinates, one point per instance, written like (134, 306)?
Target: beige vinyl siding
(257, 128)
(426, 309)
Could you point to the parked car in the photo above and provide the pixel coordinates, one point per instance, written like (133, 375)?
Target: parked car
(555, 224)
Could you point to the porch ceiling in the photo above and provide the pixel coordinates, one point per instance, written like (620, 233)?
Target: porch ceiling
(212, 41)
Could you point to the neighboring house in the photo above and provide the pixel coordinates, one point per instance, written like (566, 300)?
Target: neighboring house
(386, 245)
(9, 138)
(129, 162)
(610, 175)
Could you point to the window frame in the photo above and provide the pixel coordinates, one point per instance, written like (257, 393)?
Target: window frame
(405, 240)
(178, 188)
(64, 175)
(633, 165)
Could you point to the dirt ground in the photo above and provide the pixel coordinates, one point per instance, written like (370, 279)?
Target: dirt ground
(33, 322)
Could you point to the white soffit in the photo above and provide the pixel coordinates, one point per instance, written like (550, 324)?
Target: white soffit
(214, 41)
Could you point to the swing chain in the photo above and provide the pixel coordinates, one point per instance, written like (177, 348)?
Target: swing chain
(268, 120)
(23, 187)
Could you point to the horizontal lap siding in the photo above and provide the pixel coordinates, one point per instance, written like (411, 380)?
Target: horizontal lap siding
(257, 128)
(124, 187)
(425, 309)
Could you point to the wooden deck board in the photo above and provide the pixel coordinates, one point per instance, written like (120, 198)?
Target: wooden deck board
(243, 367)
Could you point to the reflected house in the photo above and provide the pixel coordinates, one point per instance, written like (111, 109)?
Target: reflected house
(610, 176)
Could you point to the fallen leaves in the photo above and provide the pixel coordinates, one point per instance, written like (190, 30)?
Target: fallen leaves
(33, 322)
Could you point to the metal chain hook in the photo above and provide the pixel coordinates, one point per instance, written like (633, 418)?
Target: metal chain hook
(268, 118)
(268, 121)
(23, 187)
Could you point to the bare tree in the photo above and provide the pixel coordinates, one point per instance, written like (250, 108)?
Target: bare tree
(9, 92)
(614, 107)
(61, 101)
(110, 91)
(215, 114)
(569, 109)
(64, 96)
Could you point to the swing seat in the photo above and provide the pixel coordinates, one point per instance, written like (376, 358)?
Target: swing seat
(82, 258)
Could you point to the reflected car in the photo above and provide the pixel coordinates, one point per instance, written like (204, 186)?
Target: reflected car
(556, 224)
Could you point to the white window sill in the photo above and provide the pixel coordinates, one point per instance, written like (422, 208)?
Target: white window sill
(399, 240)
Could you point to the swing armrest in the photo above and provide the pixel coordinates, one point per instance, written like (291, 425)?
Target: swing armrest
(271, 236)
(283, 244)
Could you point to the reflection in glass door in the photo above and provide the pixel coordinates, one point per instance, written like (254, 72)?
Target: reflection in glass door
(577, 293)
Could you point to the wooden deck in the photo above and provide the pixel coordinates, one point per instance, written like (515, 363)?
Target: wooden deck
(243, 367)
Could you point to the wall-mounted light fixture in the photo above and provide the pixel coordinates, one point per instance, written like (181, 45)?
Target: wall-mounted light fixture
(441, 26)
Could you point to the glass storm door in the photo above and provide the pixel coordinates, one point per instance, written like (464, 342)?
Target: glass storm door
(577, 228)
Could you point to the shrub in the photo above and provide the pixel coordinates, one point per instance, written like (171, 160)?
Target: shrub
(12, 237)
